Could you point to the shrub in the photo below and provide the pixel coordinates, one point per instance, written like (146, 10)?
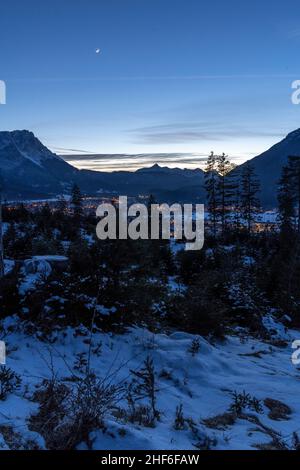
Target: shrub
(179, 422)
(194, 347)
(67, 414)
(9, 382)
(143, 386)
(245, 400)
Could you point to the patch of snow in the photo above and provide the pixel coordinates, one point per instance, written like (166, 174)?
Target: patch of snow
(201, 383)
(176, 246)
(50, 258)
(35, 265)
(8, 265)
(248, 260)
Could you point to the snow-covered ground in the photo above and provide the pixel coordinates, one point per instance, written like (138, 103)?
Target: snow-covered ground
(8, 265)
(202, 383)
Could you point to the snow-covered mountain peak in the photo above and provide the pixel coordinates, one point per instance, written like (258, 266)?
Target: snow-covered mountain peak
(31, 147)
(22, 143)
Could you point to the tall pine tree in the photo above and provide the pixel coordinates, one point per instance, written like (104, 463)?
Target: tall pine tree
(76, 203)
(294, 169)
(1, 238)
(249, 202)
(286, 207)
(210, 183)
(226, 190)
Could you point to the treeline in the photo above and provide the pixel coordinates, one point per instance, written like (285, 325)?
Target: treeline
(239, 277)
(233, 207)
(232, 195)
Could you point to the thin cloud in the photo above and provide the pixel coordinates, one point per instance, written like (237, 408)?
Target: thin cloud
(132, 162)
(68, 150)
(194, 132)
(156, 77)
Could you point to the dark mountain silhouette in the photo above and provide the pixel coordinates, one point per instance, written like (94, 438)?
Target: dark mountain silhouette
(30, 170)
(268, 166)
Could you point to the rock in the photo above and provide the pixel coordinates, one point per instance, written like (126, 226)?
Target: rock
(45, 264)
(8, 266)
(34, 266)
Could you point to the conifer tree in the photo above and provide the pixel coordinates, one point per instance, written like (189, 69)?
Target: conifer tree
(144, 385)
(210, 183)
(286, 201)
(250, 187)
(237, 204)
(287, 267)
(294, 175)
(226, 188)
(76, 202)
(61, 206)
(1, 239)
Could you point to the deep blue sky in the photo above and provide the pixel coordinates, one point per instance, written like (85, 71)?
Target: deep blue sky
(173, 75)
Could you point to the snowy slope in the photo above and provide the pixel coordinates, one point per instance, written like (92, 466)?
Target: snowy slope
(16, 145)
(202, 383)
(268, 166)
(28, 168)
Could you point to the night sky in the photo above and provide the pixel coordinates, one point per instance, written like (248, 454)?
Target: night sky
(179, 77)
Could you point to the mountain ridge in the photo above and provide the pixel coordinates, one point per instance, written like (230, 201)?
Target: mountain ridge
(268, 165)
(30, 170)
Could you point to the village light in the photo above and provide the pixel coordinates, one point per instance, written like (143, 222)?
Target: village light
(162, 221)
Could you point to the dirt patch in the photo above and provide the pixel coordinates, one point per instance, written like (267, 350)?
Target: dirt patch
(278, 411)
(221, 421)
